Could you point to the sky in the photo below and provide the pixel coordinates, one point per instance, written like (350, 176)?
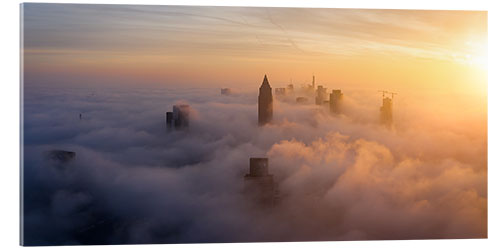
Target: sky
(82, 45)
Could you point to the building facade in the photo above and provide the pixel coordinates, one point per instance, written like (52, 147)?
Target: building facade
(386, 112)
(320, 95)
(179, 118)
(335, 101)
(259, 184)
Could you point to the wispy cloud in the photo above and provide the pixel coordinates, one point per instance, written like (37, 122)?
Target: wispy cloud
(208, 29)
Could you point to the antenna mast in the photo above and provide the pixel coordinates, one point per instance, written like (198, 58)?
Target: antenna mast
(387, 92)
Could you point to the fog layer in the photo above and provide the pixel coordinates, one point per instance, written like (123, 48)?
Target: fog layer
(341, 177)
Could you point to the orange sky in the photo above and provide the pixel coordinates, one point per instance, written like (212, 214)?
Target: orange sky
(234, 46)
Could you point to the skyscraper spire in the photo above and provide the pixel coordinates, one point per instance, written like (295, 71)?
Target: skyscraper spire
(265, 102)
(265, 82)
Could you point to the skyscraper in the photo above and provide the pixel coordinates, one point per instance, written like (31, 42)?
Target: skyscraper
(386, 112)
(335, 101)
(259, 184)
(179, 118)
(265, 102)
(225, 91)
(170, 118)
(320, 95)
(289, 89)
(280, 91)
(386, 109)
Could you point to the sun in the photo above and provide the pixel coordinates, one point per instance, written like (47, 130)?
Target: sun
(477, 53)
(480, 61)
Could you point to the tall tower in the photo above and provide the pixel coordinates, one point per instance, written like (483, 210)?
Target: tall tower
(386, 112)
(320, 95)
(259, 184)
(314, 83)
(386, 109)
(335, 101)
(179, 118)
(265, 102)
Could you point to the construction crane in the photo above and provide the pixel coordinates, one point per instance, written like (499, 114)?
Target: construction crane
(387, 92)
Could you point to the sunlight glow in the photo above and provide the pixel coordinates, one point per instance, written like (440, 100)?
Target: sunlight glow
(479, 54)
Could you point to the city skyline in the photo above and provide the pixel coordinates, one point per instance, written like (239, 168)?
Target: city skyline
(176, 124)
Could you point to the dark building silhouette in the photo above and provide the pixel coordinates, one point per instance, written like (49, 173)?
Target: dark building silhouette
(386, 109)
(335, 101)
(60, 156)
(310, 88)
(289, 89)
(179, 118)
(170, 118)
(225, 91)
(265, 102)
(59, 159)
(259, 184)
(301, 100)
(320, 95)
(280, 91)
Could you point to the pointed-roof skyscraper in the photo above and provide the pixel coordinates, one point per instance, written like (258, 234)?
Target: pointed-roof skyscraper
(265, 102)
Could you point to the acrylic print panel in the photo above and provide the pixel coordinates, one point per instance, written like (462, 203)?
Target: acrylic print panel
(177, 124)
